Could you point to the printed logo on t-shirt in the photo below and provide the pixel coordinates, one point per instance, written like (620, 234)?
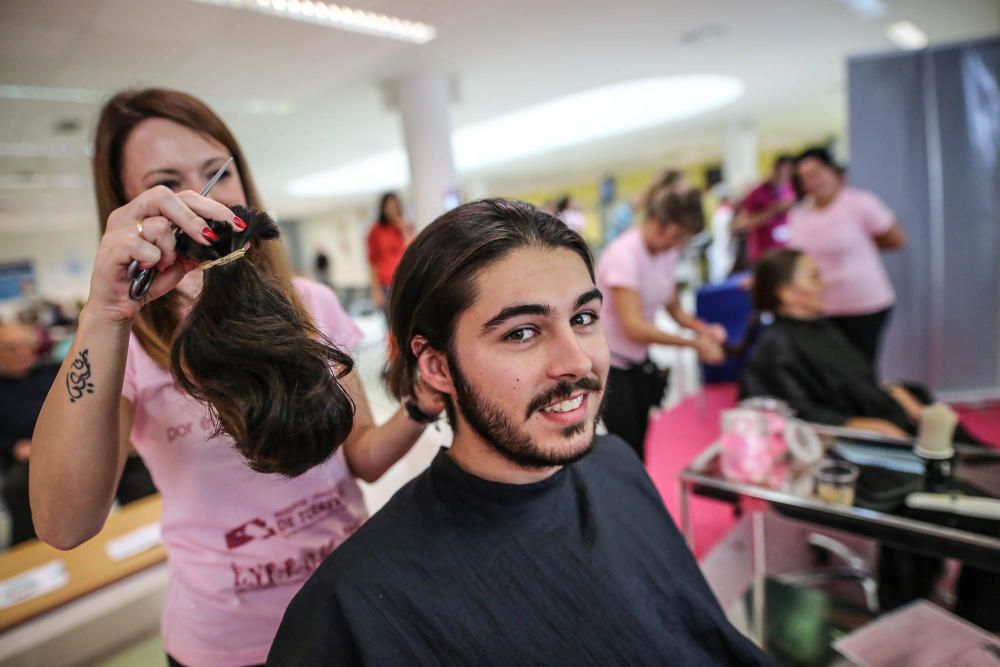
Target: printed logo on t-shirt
(268, 574)
(326, 507)
(308, 511)
(252, 530)
(176, 431)
(248, 578)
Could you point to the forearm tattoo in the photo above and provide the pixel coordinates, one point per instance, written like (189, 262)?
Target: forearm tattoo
(78, 377)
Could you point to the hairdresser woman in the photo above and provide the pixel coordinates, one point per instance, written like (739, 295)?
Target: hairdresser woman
(637, 276)
(239, 544)
(845, 230)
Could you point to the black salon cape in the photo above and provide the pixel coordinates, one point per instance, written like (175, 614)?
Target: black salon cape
(583, 568)
(811, 366)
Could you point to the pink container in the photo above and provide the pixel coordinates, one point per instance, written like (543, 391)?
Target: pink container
(747, 447)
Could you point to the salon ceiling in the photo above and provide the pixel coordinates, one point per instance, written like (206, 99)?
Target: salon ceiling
(504, 56)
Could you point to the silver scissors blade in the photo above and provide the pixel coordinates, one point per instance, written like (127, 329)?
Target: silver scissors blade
(215, 179)
(143, 278)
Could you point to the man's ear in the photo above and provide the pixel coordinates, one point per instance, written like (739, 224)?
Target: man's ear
(433, 366)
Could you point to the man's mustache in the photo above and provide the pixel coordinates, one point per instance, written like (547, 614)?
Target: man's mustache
(563, 391)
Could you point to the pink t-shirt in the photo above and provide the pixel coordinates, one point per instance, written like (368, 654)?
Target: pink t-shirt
(627, 262)
(239, 544)
(840, 237)
(774, 232)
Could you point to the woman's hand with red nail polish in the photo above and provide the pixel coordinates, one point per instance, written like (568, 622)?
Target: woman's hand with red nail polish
(144, 231)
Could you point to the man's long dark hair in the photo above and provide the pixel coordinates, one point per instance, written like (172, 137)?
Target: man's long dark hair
(269, 376)
(436, 279)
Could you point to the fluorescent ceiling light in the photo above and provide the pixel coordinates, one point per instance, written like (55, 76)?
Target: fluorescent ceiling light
(567, 121)
(41, 181)
(906, 36)
(88, 96)
(336, 16)
(19, 149)
(50, 94)
(588, 116)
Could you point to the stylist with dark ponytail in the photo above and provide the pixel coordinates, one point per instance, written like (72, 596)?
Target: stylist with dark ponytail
(239, 542)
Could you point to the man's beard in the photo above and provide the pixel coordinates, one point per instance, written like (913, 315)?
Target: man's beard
(500, 432)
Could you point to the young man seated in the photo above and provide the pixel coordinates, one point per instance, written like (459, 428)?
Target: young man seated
(528, 541)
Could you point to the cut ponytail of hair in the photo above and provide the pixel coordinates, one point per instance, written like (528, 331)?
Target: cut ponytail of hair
(268, 375)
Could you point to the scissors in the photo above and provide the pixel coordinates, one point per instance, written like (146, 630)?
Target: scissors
(143, 278)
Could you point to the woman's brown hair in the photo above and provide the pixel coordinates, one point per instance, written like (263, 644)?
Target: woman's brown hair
(772, 272)
(670, 200)
(157, 322)
(269, 375)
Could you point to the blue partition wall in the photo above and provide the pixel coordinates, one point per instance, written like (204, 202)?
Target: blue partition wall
(925, 136)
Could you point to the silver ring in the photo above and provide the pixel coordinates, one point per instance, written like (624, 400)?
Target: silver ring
(138, 226)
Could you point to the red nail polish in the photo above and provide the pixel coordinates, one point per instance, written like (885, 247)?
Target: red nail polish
(238, 221)
(209, 234)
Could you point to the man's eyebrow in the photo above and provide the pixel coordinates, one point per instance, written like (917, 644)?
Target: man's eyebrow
(544, 310)
(516, 311)
(589, 296)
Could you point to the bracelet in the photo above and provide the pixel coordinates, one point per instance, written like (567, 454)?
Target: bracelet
(416, 414)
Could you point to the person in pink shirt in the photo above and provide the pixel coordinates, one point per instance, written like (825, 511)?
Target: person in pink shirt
(239, 543)
(844, 229)
(763, 212)
(636, 275)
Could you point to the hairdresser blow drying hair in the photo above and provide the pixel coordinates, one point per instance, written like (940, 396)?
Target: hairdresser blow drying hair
(226, 361)
(273, 387)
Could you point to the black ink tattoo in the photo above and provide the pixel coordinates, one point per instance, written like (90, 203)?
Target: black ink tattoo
(78, 377)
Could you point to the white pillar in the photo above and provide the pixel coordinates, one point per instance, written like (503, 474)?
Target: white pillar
(422, 101)
(740, 159)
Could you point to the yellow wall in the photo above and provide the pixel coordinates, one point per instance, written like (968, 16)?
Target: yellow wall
(630, 185)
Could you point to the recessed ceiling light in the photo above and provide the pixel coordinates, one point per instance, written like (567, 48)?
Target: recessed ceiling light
(906, 35)
(334, 16)
(567, 121)
(866, 8)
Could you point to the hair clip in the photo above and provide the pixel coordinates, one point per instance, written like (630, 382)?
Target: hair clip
(231, 257)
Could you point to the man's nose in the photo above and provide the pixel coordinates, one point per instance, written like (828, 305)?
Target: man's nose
(568, 357)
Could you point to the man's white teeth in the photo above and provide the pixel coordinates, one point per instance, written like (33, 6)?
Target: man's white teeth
(567, 405)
